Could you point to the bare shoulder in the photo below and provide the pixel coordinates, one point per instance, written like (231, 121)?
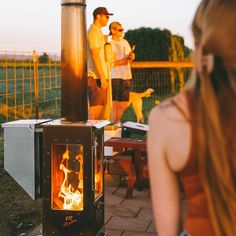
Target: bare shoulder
(158, 114)
(124, 40)
(172, 110)
(170, 130)
(160, 119)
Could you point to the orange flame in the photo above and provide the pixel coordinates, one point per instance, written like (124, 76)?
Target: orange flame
(72, 198)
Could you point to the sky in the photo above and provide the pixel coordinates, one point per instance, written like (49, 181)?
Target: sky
(28, 25)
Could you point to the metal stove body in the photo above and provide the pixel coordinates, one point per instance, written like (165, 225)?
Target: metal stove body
(73, 178)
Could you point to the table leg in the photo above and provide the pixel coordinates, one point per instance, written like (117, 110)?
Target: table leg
(137, 160)
(135, 173)
(131, 180)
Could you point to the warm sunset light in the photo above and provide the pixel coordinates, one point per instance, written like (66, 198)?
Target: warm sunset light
(43, 33)
(70, 195)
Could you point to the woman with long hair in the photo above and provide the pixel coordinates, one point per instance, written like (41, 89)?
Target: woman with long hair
(192, 137)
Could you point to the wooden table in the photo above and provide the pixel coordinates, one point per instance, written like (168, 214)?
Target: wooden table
(137, 163)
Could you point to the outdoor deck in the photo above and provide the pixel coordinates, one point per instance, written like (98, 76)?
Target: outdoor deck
(126, 217)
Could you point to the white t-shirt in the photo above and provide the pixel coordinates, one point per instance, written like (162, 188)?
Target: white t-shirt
(121, 49)
(96, 40)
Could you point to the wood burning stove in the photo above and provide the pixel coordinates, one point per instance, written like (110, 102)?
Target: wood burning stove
(73, 178)
(73, 187)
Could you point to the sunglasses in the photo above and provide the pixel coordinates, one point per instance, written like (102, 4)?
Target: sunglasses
(120, 30)
(107, 16)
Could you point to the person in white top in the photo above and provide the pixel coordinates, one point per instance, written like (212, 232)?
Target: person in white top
(121, 72)
(97, 68)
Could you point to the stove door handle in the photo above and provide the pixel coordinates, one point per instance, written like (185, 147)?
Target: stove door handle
(94, 152)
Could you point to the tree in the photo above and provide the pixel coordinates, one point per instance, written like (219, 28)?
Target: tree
(157, 45)
(44, 58)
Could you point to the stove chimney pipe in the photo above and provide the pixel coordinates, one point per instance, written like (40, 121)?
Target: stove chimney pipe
(74, 105)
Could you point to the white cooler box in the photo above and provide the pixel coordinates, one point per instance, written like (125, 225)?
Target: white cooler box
(23, 143)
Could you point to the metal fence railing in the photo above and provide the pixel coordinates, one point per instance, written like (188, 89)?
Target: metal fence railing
(30, 83)
(166, 78)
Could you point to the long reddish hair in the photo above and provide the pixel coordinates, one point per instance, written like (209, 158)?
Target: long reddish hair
(213, 105)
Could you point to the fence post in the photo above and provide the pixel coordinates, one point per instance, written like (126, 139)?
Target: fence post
(15, 84)
(36, 87)
(181, 79)
(23, 85)
(7, 108)
(172, 81)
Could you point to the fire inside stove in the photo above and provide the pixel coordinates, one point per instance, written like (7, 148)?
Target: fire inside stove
(67, 177)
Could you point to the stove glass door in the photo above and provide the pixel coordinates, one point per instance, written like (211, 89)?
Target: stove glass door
(67, 190)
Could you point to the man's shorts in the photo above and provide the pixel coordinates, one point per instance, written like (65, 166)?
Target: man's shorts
(97, 95)
(120, 89)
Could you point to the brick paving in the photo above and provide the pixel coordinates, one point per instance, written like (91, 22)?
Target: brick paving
(123, 217)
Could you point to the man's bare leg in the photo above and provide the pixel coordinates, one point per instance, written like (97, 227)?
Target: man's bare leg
(95, 112)
(114, 110)
(118, 110)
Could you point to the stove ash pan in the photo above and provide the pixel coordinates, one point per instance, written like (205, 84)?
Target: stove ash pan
(23, 153)
(73, 178)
